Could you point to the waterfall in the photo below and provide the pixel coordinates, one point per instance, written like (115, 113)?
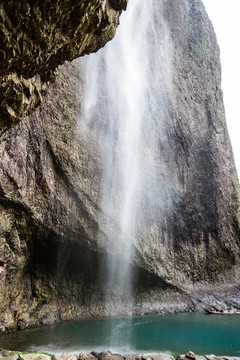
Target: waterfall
(126, 106)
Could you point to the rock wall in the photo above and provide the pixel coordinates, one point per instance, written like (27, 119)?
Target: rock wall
(201, 230)
(37, 36)
(50, 191)
(50, 207)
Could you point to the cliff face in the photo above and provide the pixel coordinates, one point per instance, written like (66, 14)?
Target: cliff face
(50, 189)
(201, 229)
(37, 36)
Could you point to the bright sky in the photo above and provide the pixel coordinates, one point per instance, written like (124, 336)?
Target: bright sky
(224, 15)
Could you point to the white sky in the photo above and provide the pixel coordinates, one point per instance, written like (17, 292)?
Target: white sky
(224, 15)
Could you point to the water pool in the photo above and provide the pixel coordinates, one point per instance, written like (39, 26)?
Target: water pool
(174, 334)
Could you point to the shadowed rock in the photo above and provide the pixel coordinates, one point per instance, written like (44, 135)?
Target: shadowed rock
(36, 37)
(118, 4)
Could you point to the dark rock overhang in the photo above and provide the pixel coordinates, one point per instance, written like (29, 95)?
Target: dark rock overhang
(37, 36)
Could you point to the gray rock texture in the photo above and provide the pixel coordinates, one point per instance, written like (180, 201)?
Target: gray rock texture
(29, 356)
(62, 357)
(86, 356)
(157, 356)
(132, 357)
(50, 194)
(8, 355)
(37, 36)
(110, 356)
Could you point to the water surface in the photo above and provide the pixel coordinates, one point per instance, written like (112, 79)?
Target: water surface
(174, 334)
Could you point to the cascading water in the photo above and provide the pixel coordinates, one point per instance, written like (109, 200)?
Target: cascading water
(126, 105)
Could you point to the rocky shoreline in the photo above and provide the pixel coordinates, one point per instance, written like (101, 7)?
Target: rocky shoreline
(11, 355)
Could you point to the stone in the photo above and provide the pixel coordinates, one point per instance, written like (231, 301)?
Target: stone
(110, 356)
(190, 355)
(9, 357)
(20, 357)
(132, 357)
(36, 357)
(157, 356)
(63, 357)
(211, 357)
(197, 357)
(87, 356)
(95, 354)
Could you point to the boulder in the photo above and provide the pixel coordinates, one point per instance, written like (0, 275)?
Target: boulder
(190, 355)
(110, 356)
(157, 356)
(37, 357)
(132, 357)
(62, 357)
(87, 356)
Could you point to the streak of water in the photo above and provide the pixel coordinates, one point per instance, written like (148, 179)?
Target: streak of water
(126, 106)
